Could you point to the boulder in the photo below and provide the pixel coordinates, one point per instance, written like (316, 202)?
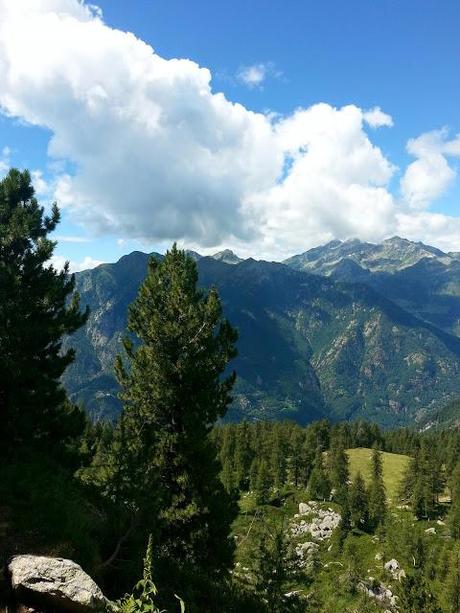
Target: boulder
(378, 591)
(395, 569)
(392, 565)
(54, 582)
(430, 531)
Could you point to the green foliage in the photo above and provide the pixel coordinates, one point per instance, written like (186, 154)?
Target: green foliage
(319, 487)
(454, 513)
(38, 307)
(308, 346)
(415, 596)
(359, 503)
(159, 469)
(144, 596)
(275, 562)
(377, 497)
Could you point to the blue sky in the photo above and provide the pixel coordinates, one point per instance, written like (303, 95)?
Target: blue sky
(272, 58)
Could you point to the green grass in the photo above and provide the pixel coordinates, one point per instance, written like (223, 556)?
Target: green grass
(394, 466)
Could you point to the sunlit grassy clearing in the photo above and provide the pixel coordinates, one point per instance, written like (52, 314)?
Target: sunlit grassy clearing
(394, 466)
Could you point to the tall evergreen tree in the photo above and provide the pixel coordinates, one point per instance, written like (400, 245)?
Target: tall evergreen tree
(453, 582)
(415, 596)
(263, 482)
(338, 470)
(319, 487)
(173, 390)
(454, 512)
(38, 307)
(377, 497)
(359, 503)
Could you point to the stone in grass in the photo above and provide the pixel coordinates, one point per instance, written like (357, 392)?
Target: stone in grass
(54, 582)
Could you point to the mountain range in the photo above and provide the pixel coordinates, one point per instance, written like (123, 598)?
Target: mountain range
(346, 330)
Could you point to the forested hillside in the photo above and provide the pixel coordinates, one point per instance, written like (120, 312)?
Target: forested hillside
(309, 346)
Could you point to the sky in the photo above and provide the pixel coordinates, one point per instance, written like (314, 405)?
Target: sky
(264, 127)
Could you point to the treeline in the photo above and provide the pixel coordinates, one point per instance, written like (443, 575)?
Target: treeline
(267, 456)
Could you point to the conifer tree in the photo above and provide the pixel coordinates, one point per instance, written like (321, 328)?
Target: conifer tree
(297, 461)
(173, 390)
(453, 582)
(38, 307)
(319, 487)
(276, 564)
(415, 596)
(338, 470)
(263, 482)
(454, 513)
(242, 457)
(277, 459)
(377, 498)
(359, 503)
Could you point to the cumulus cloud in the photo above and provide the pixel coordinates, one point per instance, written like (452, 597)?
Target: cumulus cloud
(157, 156)
(4, 160)
(376, 118)
(58, 261)
(254, 75)
(430, 175)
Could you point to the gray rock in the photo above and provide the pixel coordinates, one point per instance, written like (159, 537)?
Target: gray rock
(54, 582)
(379, 592)
(392, 565)
(430, 531)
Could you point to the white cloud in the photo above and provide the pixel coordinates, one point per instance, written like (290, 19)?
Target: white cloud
(40, 184)
(430, 176)
(160, 157)
(72, 239)
(4, 160)
(443, 231)
(255, 74)
(88, 262)
(376, 118)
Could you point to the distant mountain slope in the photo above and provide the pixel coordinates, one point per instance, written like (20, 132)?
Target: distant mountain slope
(421, 279)
(309, 346)
(392, 254)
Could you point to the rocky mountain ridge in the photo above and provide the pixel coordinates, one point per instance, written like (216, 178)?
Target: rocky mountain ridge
(310, 345)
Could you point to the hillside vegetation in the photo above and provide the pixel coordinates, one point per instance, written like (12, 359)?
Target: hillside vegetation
(394, 467)
(309, 346)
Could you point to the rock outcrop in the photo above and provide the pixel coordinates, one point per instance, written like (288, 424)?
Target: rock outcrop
(320, 526)
(53, 583)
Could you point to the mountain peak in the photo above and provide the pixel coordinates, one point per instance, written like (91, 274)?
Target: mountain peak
(227, 256)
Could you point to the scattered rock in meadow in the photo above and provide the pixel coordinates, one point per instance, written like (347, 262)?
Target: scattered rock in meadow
(320, 526)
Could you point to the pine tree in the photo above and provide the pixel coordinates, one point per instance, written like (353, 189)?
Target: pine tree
(454, 513)
(319, 487)
(263, 482)
(344, 527)
(377, 498)
(242, 456)
(276, 564)
(338, 470)
(38, 307)
(173, 390)
(277, 459)
(415, 596)
(359, 503)
(409, 480)
(453, 582)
